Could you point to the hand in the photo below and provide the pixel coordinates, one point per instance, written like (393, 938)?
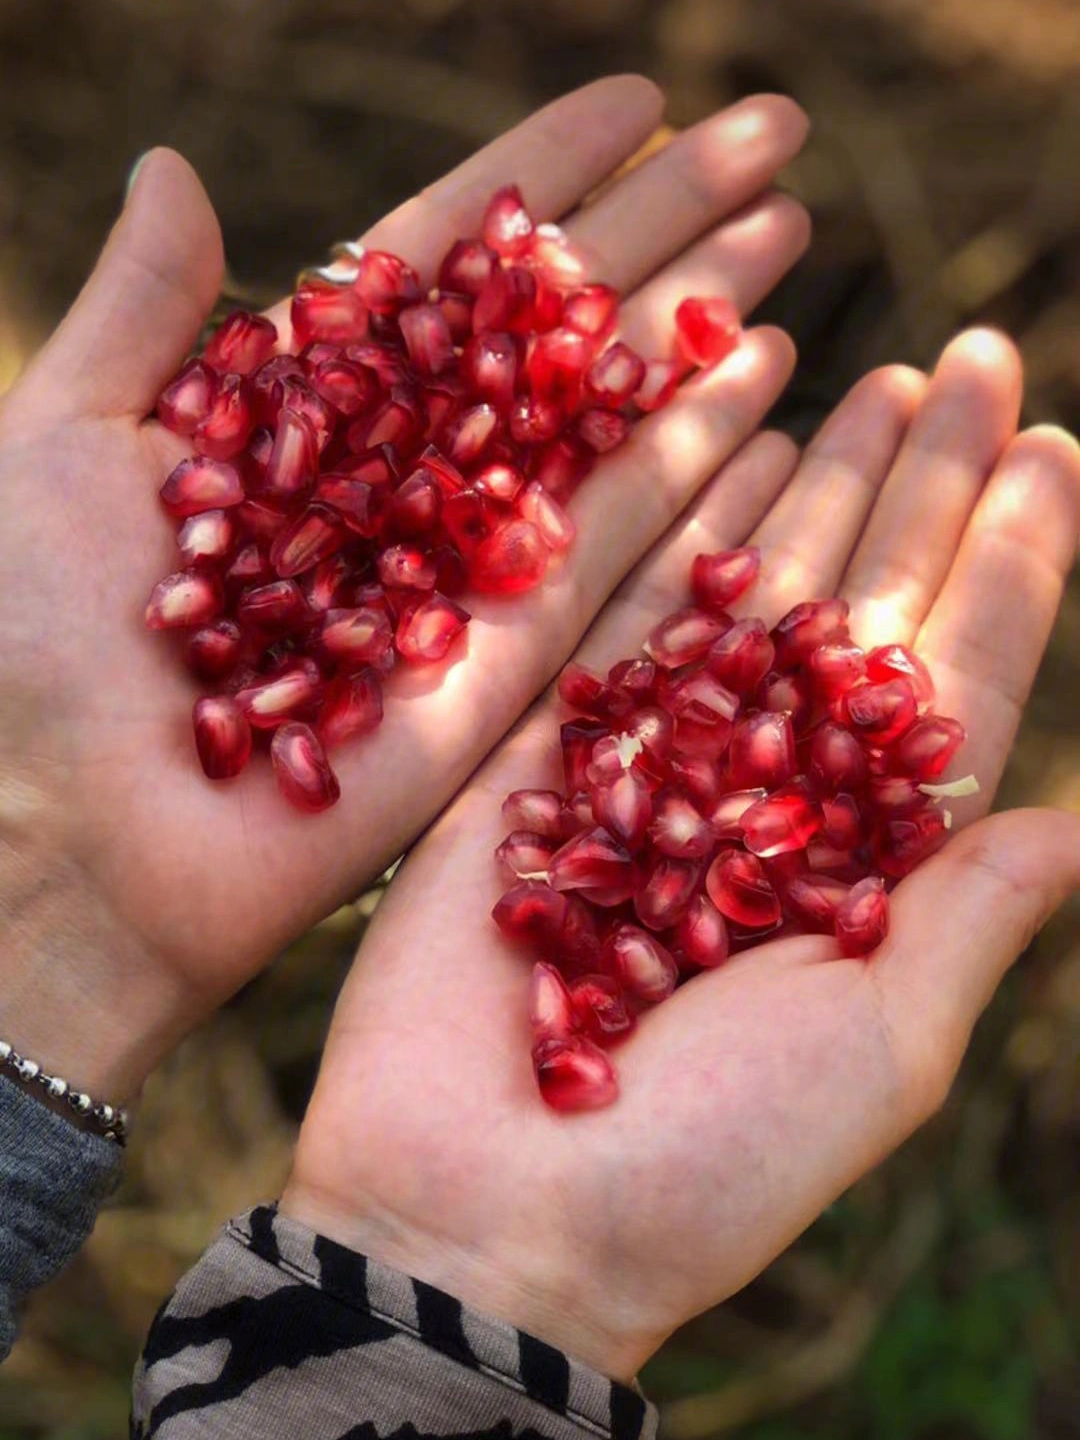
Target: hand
(134, 894)
(761, 1090)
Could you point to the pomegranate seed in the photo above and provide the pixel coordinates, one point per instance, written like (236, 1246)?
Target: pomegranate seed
(327, 312)
(926, 749)
(468, 436)
(353, 389)
(677, 829)
(638, 678)
(535, 810)
(204, 537)
(427, 632)
(583, 689)
(897, 662)
(574, 1075)
(404, 568)
(489, 363)
(277, 606)
(725, 817)
(222, 736)
(267, 704)
(602, 430)
(842, 821)
(301, 768)
(352, 706)
(881, 713)
(294, 459)
(762, 751)
(739, 888)
(213, 651)
(907, 840)
(813, 901)
(683, 637)
(698, 776)
(615, 376)
(551, 520)
(186, 598)
(398, 423)
(467, 267)
(577, 738)
(386, 283)
(241, 343)
(592, 310)
(862, 918)
(668, 889)
(740, 658)
(512, 559)
(324, 585)
(224, 429)
(250, 566)
(507, 301)
(577, 943)
(718, 579)
(658, 385)
(508, 226)
(356, 637)
(785, 693)
(560, 466)
(640, 963)
(427, 338)
(185, 401)
(532, 912)
(534, 419)
(787, 820)
(314, 535)
(199, 485)
(526, 854)
(600, 1008)
(499, 482)
(706, 330)
(593, 860)
(552, 1015)
(803, 629)
(623, 806)
(701, 934)
(556, 366)
(262, 519)
(553, 256)
(837, 761)
(835, 667)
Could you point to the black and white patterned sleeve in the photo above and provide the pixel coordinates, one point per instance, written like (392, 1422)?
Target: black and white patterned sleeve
(280, 1332)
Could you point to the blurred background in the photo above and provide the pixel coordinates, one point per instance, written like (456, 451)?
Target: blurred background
(939, 1299)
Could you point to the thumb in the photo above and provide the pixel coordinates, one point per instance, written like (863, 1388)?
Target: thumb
(959, 922)
(141, 310)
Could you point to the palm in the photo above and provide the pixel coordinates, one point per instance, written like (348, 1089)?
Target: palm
(760, 1090)
(214, 879)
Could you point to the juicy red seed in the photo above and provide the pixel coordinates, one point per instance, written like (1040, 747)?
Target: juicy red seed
(507, 225)
(862, 918)
(701, 698)
(512, 559)
(499, 481)
(276, 606)
(267, 704)
(623, 806)
(574, 1075)
(212, 652)
(530, 911)
(352, 706)
(534, 419)
(725, 817)
(611, 757)
(327, 312)
(489, 362)
(592, 310)
(803, 629)
(762, 751)
(556, 366)
(741, 658)
(356, 637)
(837, 760)
(552, 1015)
(785, 694)
(658, 384)
(835, 667)
(416, 504)
(224, 430)
(637, 677)
(185, 401)
(813, 900)
(577, 738)
(294, 459)
(315, 535)
(600, 1008)
(301, 768)
(427, 338)
(402, 567)
(188, 597)
(615, 376)
(201, 484)
(906, 840)
(398, 423)
(427, 632)
(678, 829)
(583, 689)
(577, 943)
(262, 518)
(897, 662)
(507, 301)
(544, 511)
(684, 636)
(602, 430)
(706, 330)
(739, 888)
(698, 776)
(204, 537)
(535, 810)
(561, 465)
(640, 964)
(881, 713)
(927, 748)
(701, 933)
(467, 267)
(249, 566)
(593, 860)
(787, 820)
(553, 256)
(222, 736)
(468, 436)
(668, 888)
(653, 728)
(526, 854)
(843, 821)
(718, 579)
(241, 343)
(353, 389)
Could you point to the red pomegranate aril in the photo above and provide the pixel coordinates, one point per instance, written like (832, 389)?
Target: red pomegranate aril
(267, 704)
(212, 652)
(762, 751)
(526, 854)
(615, 376)
(467, 266)
(553, 257)
(544, 511)
(862, 918)
(534, 419)
(602, 430)
(277, 606)
(327, 312)
(185, 401)
(593, 860)
(640, 964)
(188, 597)
(531, 911)
(835, 667)
(561, 465)
(592, 310)
(700, 697)
(879, 714)
(356, 637)
(352, 705)
(499, 482)
(386, 283)
(678, 829)
(612, 756)
(658, 385)
(403, 567)
(303, 772)
(683, 637)
(669, 885)
(698, 776)
(427, 338)
(416, 504)
(249, 566)
(599, 1008)
(576, 946)
(707, 330)
(467, 437)
(262, 518)
(740, 659)
(842, 822)
(574, 1075)
(314, 535)
(241, 343)
(652, 727)
(739, 888)
(717, 579)
(507, 301)
(398, 423)
(701, 934)
(725, 816)
(552, 1015)
(786, 820)
(577, 738)
(813, 901)
(637, 677)
(205, 537)
(837, 760)
(507, 226)
(294, 459)
(787, 694)
(897, 662)
(489, 362)
(222, 736)
(536, 810)
(582, 689)
(224, 429)
(926, 749)
(804, 628)
(623, 806)
(907, 840)
(556, 367)
(195, 486)
(512, 559)
(353, 389)
(451, 575)
(428, 631)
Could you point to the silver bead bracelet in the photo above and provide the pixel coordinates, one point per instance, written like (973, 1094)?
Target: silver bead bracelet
(107, 1121)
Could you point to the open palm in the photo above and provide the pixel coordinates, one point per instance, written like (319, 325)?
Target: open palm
(181, 888)
(760, 1090)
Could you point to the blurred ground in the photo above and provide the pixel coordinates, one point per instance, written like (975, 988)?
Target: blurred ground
(940, 1299)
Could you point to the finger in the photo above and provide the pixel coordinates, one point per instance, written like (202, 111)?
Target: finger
(807, 537)
(988, 629)
(958, 923)
(743, 259)
(142, 308)
(705, 173)
(968, 417)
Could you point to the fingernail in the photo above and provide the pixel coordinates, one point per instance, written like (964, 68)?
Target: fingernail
(132, 173)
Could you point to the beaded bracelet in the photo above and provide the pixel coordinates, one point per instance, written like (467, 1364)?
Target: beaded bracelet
(107, 1121)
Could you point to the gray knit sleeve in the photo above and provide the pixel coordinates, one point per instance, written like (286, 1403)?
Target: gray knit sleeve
(53, 1178)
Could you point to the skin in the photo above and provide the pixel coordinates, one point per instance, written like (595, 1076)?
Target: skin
(135, 896)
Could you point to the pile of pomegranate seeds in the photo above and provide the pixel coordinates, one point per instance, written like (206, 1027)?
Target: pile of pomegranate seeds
(732, 783)
(418, 444)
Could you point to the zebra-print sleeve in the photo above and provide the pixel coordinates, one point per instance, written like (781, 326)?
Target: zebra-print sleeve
(278, 1332)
